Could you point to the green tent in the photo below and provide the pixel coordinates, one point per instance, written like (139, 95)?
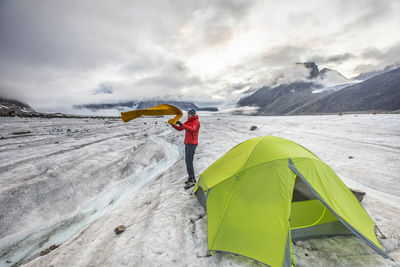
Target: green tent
(268, 191)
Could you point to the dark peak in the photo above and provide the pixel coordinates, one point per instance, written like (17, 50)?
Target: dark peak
(313, 68)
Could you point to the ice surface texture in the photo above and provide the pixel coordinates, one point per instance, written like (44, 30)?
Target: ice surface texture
(75, 186)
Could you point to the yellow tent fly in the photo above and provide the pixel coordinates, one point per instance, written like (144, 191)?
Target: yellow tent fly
(163, 109)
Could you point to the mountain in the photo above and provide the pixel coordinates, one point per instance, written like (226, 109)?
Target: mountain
(143, 105)
(12, 108)
(379, 93)
(9, 107)
(180, 104)
(287, 98)
(119, 106)
(282, 99)
(332, 76)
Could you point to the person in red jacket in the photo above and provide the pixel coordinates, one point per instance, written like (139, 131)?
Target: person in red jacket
(191, 127)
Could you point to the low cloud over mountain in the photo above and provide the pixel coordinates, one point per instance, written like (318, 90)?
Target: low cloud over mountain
(379, 93)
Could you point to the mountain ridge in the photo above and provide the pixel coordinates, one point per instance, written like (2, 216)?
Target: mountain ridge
(11, 107)
(144, 104)
(379, 93)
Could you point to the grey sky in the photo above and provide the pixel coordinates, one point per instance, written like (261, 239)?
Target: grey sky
(56, 54)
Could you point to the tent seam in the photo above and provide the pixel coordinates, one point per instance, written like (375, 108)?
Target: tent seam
(234, 175)
(248, 158)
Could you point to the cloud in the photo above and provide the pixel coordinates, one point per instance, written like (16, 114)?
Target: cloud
(333, 58)
(282, 55)
(379, 59)
(372, 13)
(386, 55)
(55, 54)
(103, 89)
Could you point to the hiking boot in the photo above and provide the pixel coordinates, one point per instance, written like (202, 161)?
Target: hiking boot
(190, 181)
(190, 184)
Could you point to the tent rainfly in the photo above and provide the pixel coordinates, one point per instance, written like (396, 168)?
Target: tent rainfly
(269, 191)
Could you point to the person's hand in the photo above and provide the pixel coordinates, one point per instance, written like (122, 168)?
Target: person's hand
(179, 123)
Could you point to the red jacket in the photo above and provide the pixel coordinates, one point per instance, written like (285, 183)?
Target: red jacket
(191, 127)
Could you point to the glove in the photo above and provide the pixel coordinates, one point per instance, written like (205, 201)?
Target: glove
(179, 123)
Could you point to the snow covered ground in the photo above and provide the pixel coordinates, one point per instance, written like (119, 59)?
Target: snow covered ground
(70, 182)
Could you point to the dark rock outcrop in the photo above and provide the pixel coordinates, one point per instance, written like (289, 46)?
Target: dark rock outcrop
(313, 68)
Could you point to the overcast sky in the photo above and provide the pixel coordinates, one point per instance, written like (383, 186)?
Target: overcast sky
(56, 54)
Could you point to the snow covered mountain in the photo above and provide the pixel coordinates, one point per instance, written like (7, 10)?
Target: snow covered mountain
(287, 98)
(379, 93)
(329, 75)
(282, 99)
(9, 107)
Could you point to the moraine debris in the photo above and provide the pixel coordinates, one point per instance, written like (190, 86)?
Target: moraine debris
(48, 250)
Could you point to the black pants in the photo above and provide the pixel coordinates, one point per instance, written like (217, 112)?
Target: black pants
(190, 149)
